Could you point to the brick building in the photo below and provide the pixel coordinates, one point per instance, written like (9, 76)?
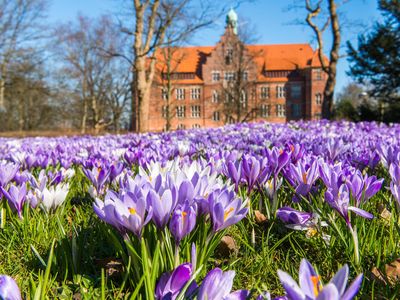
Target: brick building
(232, 82)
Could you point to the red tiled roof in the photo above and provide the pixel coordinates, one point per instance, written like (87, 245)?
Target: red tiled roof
(267, 57)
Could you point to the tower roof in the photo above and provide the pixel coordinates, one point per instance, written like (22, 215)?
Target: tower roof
(232, 20)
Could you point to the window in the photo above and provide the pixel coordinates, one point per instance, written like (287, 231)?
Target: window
(231, 120)
(229, 56)
(264, 110)
(318, 98)
(195, 111)
(295, 91)
(296, 110)
(215, 96)
(195, 93)
(194, 126)
(280, 110)
(215, 116)
(318, 74)
(164, 111)
(280, 91)
(180, 126)
(215, 76)
(164, 94)
(228, 98)
(264, 92)
(243, 99)
(229, 76)
(180, 94)
(245, 75)
(180, 111)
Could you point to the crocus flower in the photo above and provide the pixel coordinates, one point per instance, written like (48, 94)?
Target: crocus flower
(233, 170)
(225, 209)
(7, 172)
(335, 147)
(98, 177)
(162, 206)
(304, 177)
(132, 211)
(394, 171)
(363, 188)
(277, 159)
(105, 210)
(217, 285)
(16, 197)
(289, 215)
(54, 196)
(340, 202)
(182, 222)
(311, 287)
(170, 284)
(9, 289)
(255, 172)
(126, 212)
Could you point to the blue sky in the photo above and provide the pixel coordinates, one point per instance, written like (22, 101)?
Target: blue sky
(270, 18)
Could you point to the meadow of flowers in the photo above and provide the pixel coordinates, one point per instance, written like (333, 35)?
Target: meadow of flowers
(305, 210)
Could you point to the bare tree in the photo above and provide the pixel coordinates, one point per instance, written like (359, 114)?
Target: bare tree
(329, 21)
(19, 27)
(100, 80)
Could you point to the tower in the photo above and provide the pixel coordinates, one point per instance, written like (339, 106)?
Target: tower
(232, 21)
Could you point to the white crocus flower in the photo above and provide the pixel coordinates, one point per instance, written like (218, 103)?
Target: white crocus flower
(54, 196)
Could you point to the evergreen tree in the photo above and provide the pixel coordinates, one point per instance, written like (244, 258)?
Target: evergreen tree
(376, 62)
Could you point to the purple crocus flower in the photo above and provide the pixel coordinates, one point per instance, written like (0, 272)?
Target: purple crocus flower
(304, 176)
(7, 173)
(16, 197)
(363, 188)
(98, 177)
(217, 285)
(340, 202)
(170, 284)
(105, 210)
(254, 171)
(115, 170)
(182, 222)
(291, 216)
(9, 289)
(126, 211)
(233, 170)
(225, 209)
(310, 286)
(162, 206)
(277, 159)
(394, 171)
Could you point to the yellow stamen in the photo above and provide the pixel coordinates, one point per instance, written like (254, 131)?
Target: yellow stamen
(184, 214)
(132, 211)
(227, 213)
(291, 148)
(305, 178)
(317, 284)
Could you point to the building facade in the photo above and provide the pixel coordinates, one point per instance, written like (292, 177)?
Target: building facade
(233, 82)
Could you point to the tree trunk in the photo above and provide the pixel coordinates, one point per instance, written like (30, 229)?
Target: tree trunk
(134, 106)
(2, 88)
(84, 117)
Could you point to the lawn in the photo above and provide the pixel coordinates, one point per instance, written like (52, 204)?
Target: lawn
(226, 213)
